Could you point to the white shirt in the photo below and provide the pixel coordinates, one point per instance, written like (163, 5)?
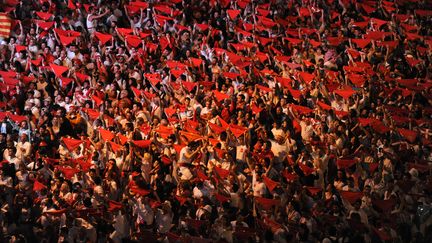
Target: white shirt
(144, 212)
(241, 152)
(306, 131)
(90, 24)
(163, 221)
(26, 146)
(259, 187)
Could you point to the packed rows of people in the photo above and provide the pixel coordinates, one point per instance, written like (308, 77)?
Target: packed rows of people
(216, 121)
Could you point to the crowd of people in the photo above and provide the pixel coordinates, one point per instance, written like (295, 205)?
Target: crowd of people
(216, 121)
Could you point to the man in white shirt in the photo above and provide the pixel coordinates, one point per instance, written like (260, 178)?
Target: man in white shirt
(185, 159)
(12, 159)
(23, 148)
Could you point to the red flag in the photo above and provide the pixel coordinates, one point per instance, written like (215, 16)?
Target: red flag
(17, 118)
(45, 25)
(166, 160)
(271, 185)
(266, 202)
(215, 128)
(68, 172)
(362, 43)
(237, 130)
(98, 101)
(189, 85)
(66, 81)
(71, 5)
(196, 62)
(201, 175)
(324, 106)
(142, 143)
(410, 135)
(255, 109)
(366, 121)
(124, 31)
(264, 88)
(115, 147)
(351, 197)
(133, 40)
(104, 38)
(220, 96)
(221, 172)
(85, 164)
(143, 5)
(190, 136)
(221, 198)
(36, 62)
(92, 113)
(106, 134)
(301, 109)
(177, 72)
(295, 93)
(304, 12)
(139, 191)
(368, 8)
(114, 206)
(373, 167)
(290, 176)
(81, 76)
(232, 13)
(58, 70)
(71, 144)
(313, 190)
(307, 77)
(345, 163)
(182, 200)
(306, 169)
(20, 48)
(223, 123)
(380, 127)
(345, 93)
(44, 16)
(10, 81)
(37, 186)
(202, 27)
(384, 205)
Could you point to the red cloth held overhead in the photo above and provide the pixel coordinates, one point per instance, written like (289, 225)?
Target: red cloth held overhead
(114, 206)
(271, 184)
(220, 96)
(103, 38)
(313, 190)
(66, 40)
(345, 93)
(142, 143)
(221, 172)
(351, 197)
(267, 203)
(106, 134)
(71, 144)
(410, 135)
(232, 13)
(58, 70)
(115, 147)
(345, 163)
(37, 186)
(44, 16)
